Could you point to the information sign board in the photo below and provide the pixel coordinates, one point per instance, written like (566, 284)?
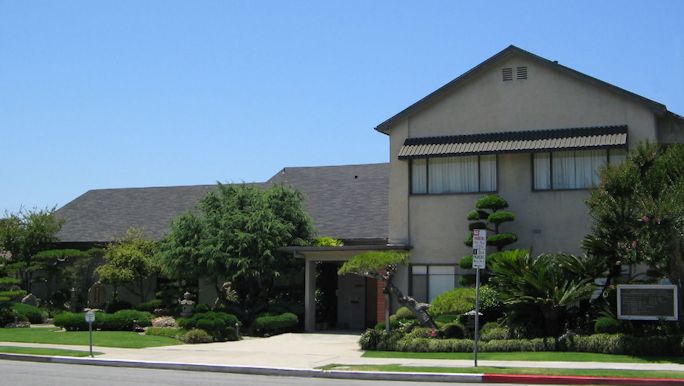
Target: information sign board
(647, 302)
(479, 248)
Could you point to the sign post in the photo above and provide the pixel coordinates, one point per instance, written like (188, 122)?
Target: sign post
(90, 318)
(479, 262)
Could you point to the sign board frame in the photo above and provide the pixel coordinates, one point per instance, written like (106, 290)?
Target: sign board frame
(672, 287)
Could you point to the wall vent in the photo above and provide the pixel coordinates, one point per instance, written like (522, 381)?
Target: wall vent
(507, 73)
(521, 73)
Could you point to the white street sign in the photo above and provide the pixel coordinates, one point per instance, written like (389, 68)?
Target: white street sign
(90, 316)
(479, 248)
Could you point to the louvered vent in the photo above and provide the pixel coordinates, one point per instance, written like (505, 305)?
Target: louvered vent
(507, 73)
(521, 73)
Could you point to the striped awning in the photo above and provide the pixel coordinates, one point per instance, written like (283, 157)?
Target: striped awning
(516, 141)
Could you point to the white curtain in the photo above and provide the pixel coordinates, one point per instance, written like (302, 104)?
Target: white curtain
(418, 176)
(564, 170)
(542, 171)
(453, 174)
(488, 173)
(441, 279)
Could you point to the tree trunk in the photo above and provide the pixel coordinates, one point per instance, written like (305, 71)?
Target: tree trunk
(419, 309)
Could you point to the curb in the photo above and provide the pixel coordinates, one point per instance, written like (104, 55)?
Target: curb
(578, 380)
(341, 374)
(253, 370)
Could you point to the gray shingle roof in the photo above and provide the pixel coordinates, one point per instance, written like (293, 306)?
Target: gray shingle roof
(347, 202)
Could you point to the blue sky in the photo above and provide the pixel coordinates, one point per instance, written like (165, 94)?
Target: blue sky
(156, 93)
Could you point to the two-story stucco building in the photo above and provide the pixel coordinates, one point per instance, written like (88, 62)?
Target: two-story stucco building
(527, 128)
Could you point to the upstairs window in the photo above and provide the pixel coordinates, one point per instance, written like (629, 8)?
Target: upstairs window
(444, 175)
(578, 169)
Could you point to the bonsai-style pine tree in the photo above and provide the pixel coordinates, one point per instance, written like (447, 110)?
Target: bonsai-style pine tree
(382, 266)
(488, 215)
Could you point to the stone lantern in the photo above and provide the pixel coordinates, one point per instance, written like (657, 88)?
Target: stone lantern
(187, 305)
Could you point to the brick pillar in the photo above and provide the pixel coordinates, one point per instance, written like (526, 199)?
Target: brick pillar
(380, 303)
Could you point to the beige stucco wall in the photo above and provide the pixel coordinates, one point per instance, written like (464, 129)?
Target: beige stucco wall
(551, 221)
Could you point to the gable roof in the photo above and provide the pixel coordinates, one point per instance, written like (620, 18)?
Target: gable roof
(346, 202)
(385, 126)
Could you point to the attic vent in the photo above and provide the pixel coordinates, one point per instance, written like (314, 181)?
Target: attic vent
(507, 73)
(521, 73)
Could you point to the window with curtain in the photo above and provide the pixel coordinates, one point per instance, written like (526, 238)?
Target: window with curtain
(465, 174)
(430, 281)
(578, 169)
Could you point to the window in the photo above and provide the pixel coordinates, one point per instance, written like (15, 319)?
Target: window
(430, 281)
(578, 169)
(465, 174)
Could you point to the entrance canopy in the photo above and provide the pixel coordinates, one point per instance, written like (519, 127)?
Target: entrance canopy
(311, 255)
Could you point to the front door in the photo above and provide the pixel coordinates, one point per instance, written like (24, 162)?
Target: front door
(351, 302)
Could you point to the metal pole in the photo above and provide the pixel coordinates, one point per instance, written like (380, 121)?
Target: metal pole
(477, 313)
(90, 337)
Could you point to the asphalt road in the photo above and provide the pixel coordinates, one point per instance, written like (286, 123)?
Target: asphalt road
(49, 374)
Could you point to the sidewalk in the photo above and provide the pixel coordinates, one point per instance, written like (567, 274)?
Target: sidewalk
(302, 352)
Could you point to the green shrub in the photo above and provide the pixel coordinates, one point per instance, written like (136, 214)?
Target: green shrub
(404, 313)
(455, 301)
(443, 319)
(7, 315)
(510, 345)
(149, 306)
(369, 339)
(220, 325)
(32, 313)
(123, 320)
(277, 324)
(452, 331)
(606, 325)
(493, 331)
(627, 345)
(169, 332)
(501, 239)
(421, 332)
(394, 324)
(118, 305)
(197, 335)
(202, 308)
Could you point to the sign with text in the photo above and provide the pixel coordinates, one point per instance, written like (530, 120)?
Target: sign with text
(647, 302)
(479, 248)
(90, 317)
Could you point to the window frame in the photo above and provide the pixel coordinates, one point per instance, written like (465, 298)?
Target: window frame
(427, 276)
(550, 153)
(427, 176)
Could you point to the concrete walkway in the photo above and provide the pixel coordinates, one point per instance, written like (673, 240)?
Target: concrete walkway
(310, 351)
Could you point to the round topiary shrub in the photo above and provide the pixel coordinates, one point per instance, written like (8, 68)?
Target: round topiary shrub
(275, 324)
(32, 313)
(197, 336)
(452, 331)
(455, 301)
(220, 325)
(404, 313)
(606, 325)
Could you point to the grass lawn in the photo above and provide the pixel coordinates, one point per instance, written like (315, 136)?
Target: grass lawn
(512, 370)
(121, 339)
(526, 356)
(46, 351)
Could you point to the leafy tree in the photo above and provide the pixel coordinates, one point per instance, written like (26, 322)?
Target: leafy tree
(236, 235)
(546, 285)
(130, 262)
(489, 214)
(638, 214)
(23, 235)
(382, 265)
(50, 264)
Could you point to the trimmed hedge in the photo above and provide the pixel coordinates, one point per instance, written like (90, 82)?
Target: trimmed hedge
(598, 343)
(606, 325)
(197, 335)
(275, 324)
(455, 301)
(220, 325)
(124, 320)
